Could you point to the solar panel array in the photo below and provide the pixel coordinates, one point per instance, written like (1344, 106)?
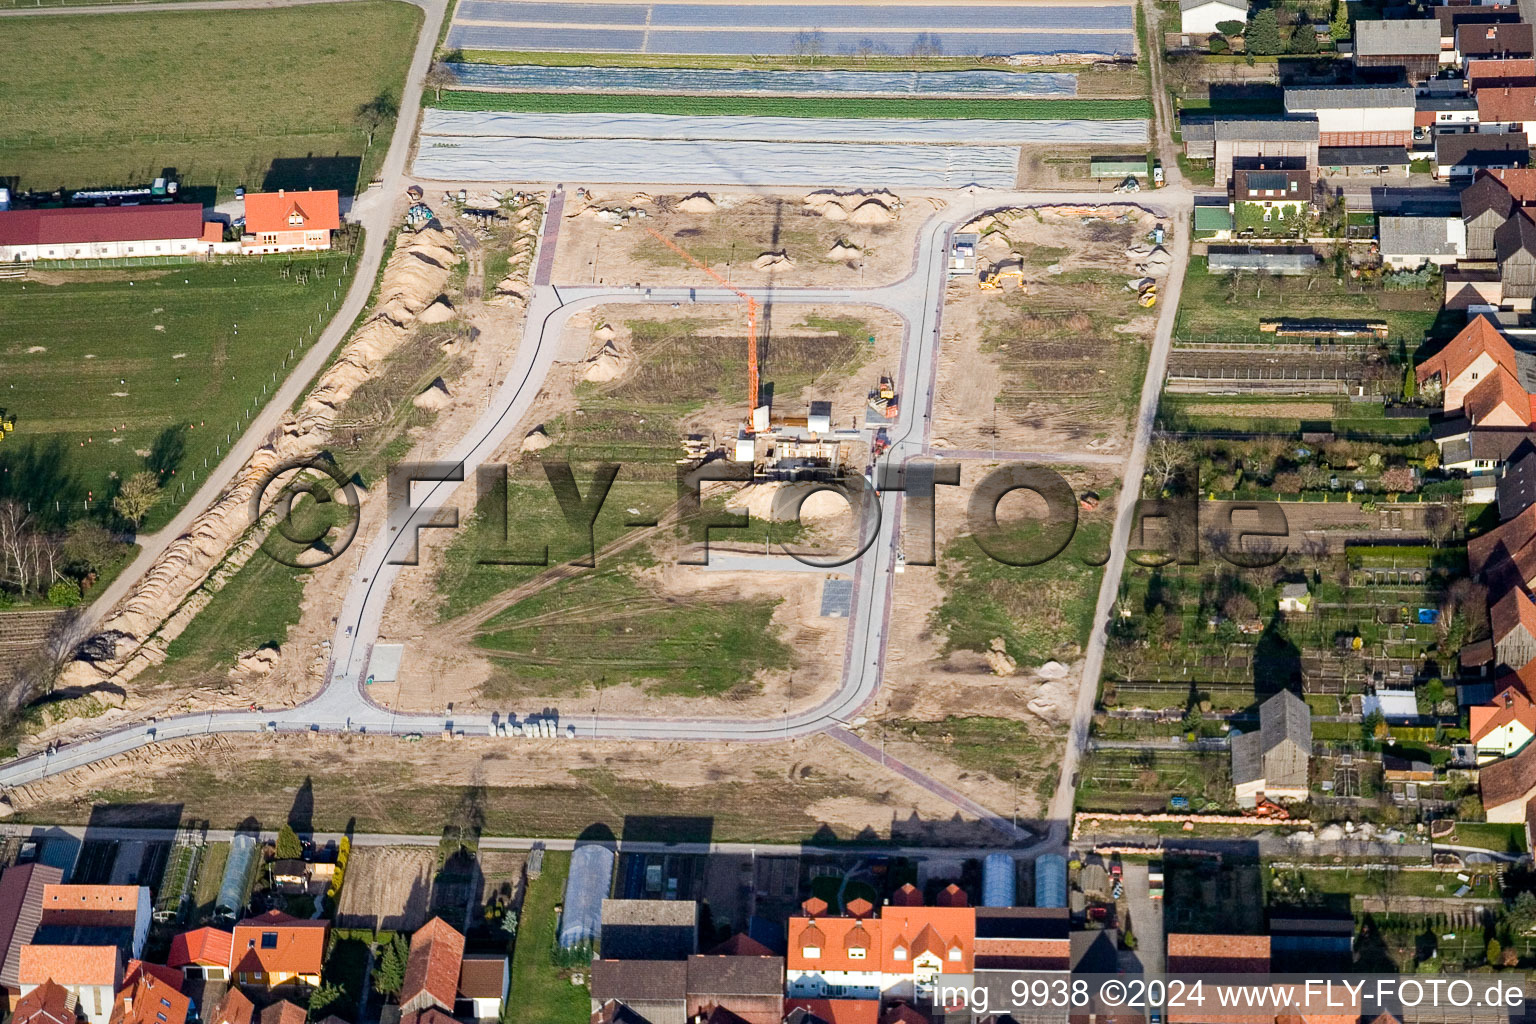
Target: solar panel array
(793, 29)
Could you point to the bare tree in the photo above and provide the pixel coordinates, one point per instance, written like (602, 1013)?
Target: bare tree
(439, 77)
(1165, 457)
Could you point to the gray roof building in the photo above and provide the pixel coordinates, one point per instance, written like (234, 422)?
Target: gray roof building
(1303, 98)
(1273, 259)
(649, 929)
(1517, 487)
(1277, 756)
(1421, 236)
(1482, 149)
(1265, 129)
(1418, 37)
(1239, 7)
(1362, 156)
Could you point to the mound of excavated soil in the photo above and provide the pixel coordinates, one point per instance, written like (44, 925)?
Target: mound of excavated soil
(156, 611)
(435, 397)
(699, 202)
(607, 365)
(773, 261)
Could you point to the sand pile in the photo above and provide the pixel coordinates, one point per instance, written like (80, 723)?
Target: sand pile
(434, 398)
(441, 311)
(773, 262)
(844, 250)
(871, 212)
(605, 333)
(220, 540)
(259, 662)
(536, 440)
(607, 365)
(760, 501)
(699, 202)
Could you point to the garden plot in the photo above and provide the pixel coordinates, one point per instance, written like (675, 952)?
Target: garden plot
(387, 888)
(1051, 360)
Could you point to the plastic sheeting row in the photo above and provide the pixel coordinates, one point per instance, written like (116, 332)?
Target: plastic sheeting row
(988, 84)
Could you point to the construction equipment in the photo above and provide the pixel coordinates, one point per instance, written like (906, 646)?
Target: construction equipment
(1268, 809)
(754, 390)
(1148, 297)
(882, 397)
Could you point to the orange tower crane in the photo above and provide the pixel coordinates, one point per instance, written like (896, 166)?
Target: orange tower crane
(753, 384)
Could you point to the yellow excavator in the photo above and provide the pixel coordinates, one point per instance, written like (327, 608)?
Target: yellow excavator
(992, 278)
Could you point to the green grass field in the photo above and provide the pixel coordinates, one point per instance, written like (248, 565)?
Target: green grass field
(114, 99)
(789, 106)
(111, 364)
(1208, 302)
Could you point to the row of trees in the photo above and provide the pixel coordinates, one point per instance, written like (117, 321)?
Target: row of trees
(1264, 33)
(41, 562)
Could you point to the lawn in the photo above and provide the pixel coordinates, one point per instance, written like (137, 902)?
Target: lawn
(210, 874)
(113, 99)
(603, 627)
(540, 990)
(1208, 302)
(1274, 414)
(1490, 836)
(789, 106)
(115, 371)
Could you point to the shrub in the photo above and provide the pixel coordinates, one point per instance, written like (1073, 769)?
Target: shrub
(1231, 28)
(65, 594)
(1216, 44)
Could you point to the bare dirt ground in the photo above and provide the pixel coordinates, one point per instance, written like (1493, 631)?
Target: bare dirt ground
(924, 683)
(764, 792)
(823, 239)
(1042, 166)
(440, 669)
(387, 888)
(1055, 365)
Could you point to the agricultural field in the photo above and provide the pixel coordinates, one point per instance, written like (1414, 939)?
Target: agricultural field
(774, 106)
(147, 368)
(110, 100)
(1053, 357)
(1120, 77)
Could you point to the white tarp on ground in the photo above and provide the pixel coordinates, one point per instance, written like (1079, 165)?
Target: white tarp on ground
(681, 81)
(437, 124)
(711, 162)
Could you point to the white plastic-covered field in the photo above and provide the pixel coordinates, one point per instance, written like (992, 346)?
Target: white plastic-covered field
(800, 29)
(713, 162)
(665, 149)
(743, 82)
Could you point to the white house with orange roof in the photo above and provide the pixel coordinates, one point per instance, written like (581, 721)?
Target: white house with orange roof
(285, 221)
(1467, 361)
(92, 974)
(860, 955)
(1507, 722)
